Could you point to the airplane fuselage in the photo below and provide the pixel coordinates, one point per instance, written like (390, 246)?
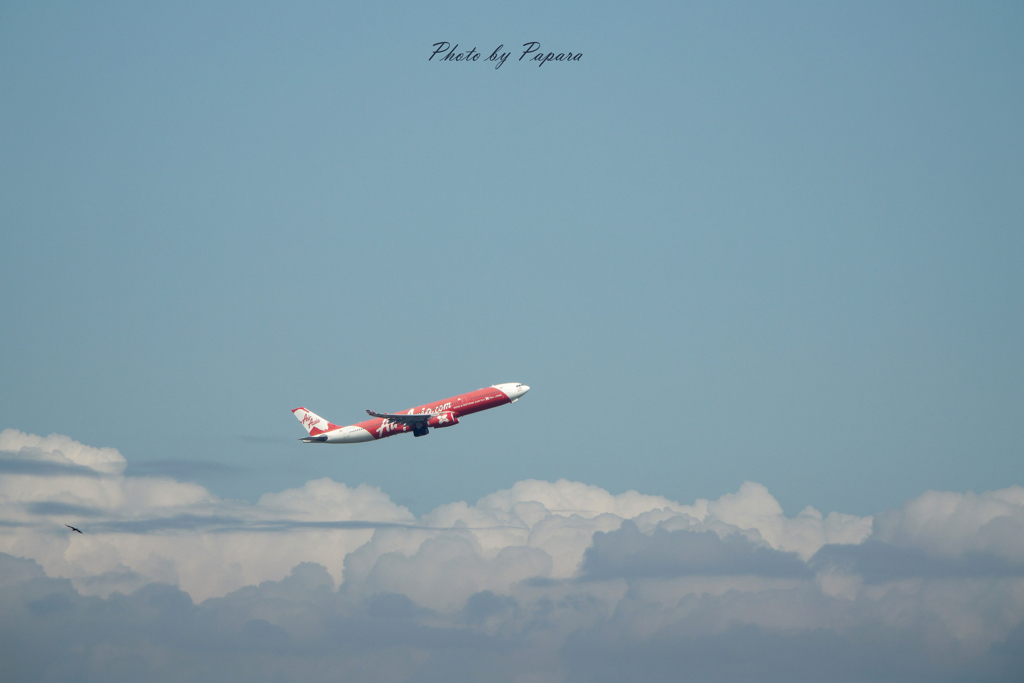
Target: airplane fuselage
(443, 413)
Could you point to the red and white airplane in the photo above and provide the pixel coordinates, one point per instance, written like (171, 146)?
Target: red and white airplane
(419, 419)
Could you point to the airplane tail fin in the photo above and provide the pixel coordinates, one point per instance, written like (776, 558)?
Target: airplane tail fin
(313, 423)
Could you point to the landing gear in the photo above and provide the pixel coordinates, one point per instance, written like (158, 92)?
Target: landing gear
(421, 430)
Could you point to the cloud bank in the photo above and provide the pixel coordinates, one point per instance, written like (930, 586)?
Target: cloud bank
(544, 581)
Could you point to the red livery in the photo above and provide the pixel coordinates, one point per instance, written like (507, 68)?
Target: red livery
(418, 420)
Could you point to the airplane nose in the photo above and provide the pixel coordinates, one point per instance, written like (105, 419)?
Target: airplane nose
(513, 390)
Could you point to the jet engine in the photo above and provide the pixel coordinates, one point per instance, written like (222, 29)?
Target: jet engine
(446, 419)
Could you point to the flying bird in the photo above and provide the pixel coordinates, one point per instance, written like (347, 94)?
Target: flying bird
(73, 528)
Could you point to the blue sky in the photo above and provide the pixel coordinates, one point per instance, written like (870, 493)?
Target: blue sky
(751, 258)
(733, 242)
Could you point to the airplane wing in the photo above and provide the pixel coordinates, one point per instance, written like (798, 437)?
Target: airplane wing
(411, 420)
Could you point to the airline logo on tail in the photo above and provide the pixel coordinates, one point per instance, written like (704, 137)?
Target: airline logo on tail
(313, 423)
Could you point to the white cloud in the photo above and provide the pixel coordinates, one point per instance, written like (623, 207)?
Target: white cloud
(951, 524)
(157, 529)
(542, 581)
(164, 530)
(62, 449)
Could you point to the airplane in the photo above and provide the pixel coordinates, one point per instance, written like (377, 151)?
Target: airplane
(420, 419)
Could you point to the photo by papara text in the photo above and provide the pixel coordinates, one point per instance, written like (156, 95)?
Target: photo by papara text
(446, 52)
